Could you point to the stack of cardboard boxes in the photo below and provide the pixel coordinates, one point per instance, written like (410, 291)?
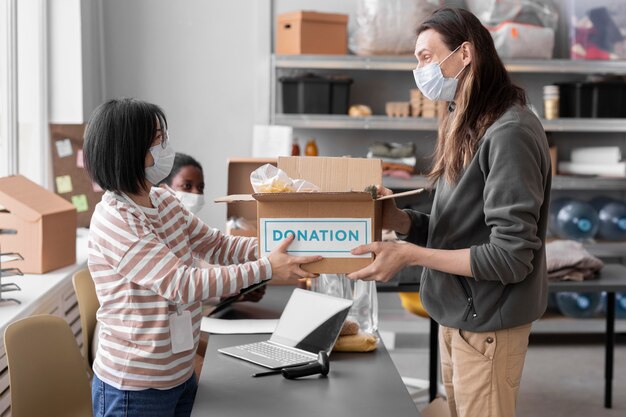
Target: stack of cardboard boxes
(423, 107)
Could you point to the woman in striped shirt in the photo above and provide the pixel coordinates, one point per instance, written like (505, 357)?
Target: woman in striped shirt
(142, 247)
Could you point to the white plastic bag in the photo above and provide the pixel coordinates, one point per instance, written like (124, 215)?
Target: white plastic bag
(364, 309)
(269, 179)
(388, 26)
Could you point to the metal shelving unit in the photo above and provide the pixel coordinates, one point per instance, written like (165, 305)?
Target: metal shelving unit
(560, 182)
(313, 121)
(408, 62)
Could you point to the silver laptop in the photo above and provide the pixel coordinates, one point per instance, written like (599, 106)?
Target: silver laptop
(310, 323)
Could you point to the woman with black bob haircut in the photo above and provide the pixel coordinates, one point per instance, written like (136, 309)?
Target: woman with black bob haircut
(143, 245)
(125, 143)
(482, 248)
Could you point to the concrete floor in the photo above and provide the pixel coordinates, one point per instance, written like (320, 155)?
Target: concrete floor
(560, 379)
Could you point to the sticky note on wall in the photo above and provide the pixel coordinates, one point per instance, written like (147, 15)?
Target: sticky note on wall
(79, 159)
(64, 184)
(64, 147)
(80, 202)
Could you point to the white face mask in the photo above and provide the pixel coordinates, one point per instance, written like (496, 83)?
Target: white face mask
(431, 82)
(193, 202)
(163, 163)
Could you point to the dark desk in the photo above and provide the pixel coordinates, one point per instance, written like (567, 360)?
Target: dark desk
(612, 279)
(359, 384)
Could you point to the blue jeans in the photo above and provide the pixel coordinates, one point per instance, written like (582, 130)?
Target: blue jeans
(112, 402)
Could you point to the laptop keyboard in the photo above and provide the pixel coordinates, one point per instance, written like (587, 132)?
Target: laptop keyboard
(284, 356)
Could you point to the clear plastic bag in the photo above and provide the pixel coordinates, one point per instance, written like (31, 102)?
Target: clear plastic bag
(520, 28)
(533, 12)
(269, 179)
(364, 309)
(520, 40)
(388, 26)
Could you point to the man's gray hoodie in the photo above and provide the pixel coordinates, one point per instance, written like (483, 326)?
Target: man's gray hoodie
(498, 209)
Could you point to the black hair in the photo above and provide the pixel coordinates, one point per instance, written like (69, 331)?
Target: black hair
(180, 161)
(117, 139)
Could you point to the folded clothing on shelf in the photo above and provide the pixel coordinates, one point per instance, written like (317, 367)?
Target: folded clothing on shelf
(392, 150)
(595, 160)
(616, 169)
(568, 260)
(398, 158)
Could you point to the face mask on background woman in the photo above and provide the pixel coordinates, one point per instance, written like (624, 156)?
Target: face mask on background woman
(193, 202)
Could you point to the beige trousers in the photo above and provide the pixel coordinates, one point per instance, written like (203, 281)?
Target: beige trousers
(481, 372)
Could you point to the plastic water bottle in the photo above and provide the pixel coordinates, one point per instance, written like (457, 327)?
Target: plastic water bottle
(620, 304)
(612, 216)
(573, 219)
(579, 305)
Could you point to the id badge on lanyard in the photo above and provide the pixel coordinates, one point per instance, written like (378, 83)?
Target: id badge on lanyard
(181, 333)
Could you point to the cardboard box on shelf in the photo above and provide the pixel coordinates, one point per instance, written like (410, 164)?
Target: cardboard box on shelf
(329, 223)
(308, 32)
(38, 224)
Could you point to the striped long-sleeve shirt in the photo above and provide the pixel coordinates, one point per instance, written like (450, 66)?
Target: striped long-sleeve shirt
(141, 260)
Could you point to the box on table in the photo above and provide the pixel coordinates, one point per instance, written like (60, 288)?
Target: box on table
(308, 32)
(37, 224)
(328, 223)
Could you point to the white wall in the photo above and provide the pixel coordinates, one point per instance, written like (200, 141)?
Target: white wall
(201, 61)
(66, 62)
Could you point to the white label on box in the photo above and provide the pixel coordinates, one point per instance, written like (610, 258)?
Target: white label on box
(327, 237)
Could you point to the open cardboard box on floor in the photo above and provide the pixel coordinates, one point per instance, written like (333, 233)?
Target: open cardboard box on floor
(328, 223)
(37, 224)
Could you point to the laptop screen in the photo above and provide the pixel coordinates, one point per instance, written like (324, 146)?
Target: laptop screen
(311, 321)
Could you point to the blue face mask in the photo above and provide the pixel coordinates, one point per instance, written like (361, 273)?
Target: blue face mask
(431, 82)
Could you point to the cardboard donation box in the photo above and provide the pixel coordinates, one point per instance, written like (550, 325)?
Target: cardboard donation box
(329, 223)
(38, 224)
(307, 32)
(239, 170)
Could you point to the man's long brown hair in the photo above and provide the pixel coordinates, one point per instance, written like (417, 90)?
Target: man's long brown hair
(484, 93)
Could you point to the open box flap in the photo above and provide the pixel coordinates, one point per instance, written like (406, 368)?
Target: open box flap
(296, 197)
(28, 200)
(235, 198)
(403, 194)
(330, 196)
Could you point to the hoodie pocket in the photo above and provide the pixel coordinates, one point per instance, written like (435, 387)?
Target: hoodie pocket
(470, 310)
